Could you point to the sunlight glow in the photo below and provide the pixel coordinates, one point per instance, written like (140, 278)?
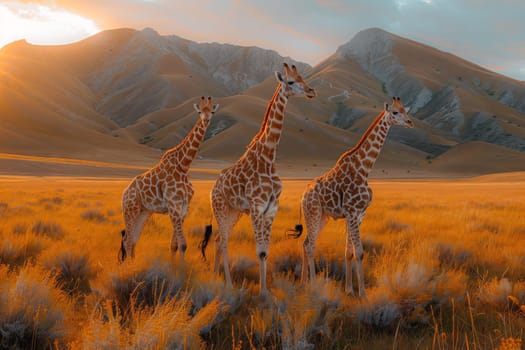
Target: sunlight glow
(41, 24)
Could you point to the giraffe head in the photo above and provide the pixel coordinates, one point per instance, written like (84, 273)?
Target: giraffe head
(205, 108)
(293, 84)
(398, 114)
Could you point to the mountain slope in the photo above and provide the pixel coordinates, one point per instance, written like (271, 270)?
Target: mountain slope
(124, 95)
(447, 92)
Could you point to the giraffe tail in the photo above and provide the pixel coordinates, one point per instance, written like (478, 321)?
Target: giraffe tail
(295, 232)
(122, 252)
(208, 230)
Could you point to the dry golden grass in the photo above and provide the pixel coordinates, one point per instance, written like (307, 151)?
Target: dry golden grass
(444, 266)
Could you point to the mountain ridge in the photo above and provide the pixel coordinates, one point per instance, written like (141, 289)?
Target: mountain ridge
(125, 88)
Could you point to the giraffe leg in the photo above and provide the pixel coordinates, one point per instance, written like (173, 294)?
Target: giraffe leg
(133, 232)
(177, 210)
(177, 239)
(315, 221)
(134, 218)
(217, 259)
(226, 218)
(262, 249)
(262, 226)
(349, 257)
(354, 250)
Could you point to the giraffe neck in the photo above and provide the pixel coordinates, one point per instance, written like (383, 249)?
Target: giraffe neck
(265, 118)
(364, 154)
(271, 129)
(185, 152)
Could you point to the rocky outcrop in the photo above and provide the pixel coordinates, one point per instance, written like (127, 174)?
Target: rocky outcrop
(238, 68)
(345, 116)
(372, 49)
(485, 127)
(133, 82)
(444, 112)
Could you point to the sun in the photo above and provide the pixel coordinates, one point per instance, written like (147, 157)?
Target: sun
(40, 24)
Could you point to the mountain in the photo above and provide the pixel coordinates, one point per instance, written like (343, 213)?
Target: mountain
(455, 102)
(122, 96)
(72, 100)
(137, 72)
(461, 100)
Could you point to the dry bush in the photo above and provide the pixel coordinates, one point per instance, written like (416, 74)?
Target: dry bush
(33, 313)
(51, 200)
(378, 311)
(93, 215)
(17, 250)
(293, 317)
(166, 325)
(244, 268)
(410, 283)
(103, 329)
(203, 288)
(500, 291)
(137, 283)
(72, 270)
(20, 228)
(48, 229)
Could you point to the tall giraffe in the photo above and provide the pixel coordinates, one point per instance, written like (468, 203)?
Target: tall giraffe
(343, 192)
(165, 188)
(251, 185)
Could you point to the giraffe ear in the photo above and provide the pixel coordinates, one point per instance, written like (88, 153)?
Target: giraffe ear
(387, 107)
(407, 109)
(279, 77)
(196, 107)
(215, 108)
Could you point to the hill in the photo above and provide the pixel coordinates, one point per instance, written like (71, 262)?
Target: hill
(123, 96)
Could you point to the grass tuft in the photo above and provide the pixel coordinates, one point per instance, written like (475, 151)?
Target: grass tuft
(33, 313)
(72, 270)
(94, 215)
(48, 229)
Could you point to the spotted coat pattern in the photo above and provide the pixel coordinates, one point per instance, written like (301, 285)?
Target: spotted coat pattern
(343, 192)
(165, 188)
(251, 186)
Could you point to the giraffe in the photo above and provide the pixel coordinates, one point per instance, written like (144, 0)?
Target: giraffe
(165, 188)
(343, 192)
(251, 185)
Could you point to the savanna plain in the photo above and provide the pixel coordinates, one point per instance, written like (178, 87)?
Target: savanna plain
(444, 269)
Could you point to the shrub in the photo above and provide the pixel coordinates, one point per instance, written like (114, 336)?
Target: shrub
(499, 291)
(93, 215)
(135, 284)
(51, 200)
(16, 251)
(166, 325)
(20, 228)
(32, 311)
(72, 270)
(379, 312)
(48, 229)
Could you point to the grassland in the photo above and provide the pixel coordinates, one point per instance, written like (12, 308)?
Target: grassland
(444, 268)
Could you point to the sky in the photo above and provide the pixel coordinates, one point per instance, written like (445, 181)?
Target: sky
(489, 33)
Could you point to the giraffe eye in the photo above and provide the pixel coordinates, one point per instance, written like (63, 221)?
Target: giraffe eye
(395, 113)
(291, 82)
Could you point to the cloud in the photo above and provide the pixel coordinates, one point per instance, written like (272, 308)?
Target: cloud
(41, 24)
(485, 32)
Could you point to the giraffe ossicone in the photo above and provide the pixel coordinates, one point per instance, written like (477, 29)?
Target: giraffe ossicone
(165, 188)
(251, 185)
(343, 193)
